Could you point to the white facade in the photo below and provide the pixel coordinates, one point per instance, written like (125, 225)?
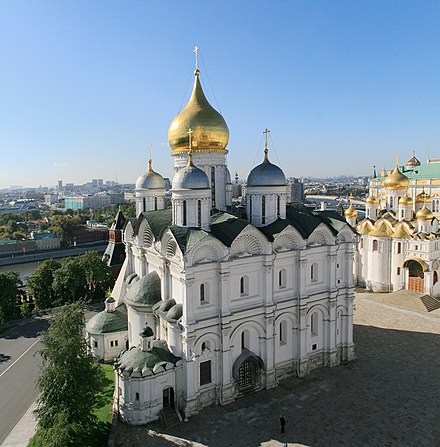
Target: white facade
(231, 306)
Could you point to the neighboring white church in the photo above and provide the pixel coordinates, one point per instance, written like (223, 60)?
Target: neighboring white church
(219, 306)
(399, 240)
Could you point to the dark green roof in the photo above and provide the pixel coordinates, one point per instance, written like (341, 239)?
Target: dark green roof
(114, 254)
(158, 221)
(226, 227)
(136, 360)
(119, 222)
(145, 292)
(106, 322)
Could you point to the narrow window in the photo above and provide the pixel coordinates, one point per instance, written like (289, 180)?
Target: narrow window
(111, 344)
(314, 272)
(402, 214)
(116, 343)
(205, 372)
(391, 202)
(245, 340)
(282, 275)
(213, 185)
(202, 293)
(278, 206)
(199, 213)
(314, 324)
(250, 209)
(283, 332)
(184, 213)
(137, 396)
(362, 243)
(375, 245)
(399, 247)
(263, 210)
(155, 203)
(398, 270)
(243, 286)
(144, 204)
(95, 344)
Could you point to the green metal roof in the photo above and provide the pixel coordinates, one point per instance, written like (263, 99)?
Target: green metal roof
(136, 360)
(107, 322)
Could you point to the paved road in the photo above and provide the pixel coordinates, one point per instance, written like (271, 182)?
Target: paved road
(388, 396)
(19, 367)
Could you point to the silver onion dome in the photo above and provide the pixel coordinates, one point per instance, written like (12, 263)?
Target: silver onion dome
(266, 174)
(190, 177)
(150, 180)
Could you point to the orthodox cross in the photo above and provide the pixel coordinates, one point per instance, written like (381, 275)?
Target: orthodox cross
(196, 51)
(149, 145)
(266, 150)
(190, 131)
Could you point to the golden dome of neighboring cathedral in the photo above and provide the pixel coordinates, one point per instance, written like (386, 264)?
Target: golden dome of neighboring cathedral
(209, 129)
(405, 201)
(372, 200)
(424, 214)
(396, 180)
(351, 212)
(423, 197)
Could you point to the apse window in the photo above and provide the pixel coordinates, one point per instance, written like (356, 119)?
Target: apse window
(244, 286)
(205, 372)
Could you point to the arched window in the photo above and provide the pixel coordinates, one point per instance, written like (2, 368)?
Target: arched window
(263, 210)
(245, 340)
(144, 204)
(213, 185)
(375, 245)
(282, 278)
(278, 206)
(199, 213)
(314, 324)
(314, 272)
(202, 294)
(244, 286)
(155, 203)
(184, 212)
(283, 332)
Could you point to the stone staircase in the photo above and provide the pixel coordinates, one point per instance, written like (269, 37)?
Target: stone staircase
(430, 302)
(169, 417)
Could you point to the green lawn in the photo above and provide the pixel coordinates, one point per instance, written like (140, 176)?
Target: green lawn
(96, 435)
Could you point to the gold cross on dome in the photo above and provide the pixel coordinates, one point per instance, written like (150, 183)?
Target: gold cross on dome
(196, 51)
(190, 131)
(266, 149)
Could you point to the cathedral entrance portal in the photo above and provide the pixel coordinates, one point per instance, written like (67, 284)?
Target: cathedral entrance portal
(247, 371)
(417, 269)
(168, 397)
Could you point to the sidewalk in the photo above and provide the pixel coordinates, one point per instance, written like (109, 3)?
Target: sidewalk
(23, 431)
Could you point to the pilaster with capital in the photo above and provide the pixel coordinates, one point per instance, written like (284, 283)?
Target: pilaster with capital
(302, 289)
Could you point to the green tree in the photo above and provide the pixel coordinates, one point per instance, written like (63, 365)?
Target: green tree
(98, 275)
(69, 381)
(9, 293)
(69, 282)
(64, 226)
(40, 284)
(12, 226)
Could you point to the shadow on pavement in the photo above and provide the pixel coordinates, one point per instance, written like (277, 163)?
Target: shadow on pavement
(29, 330)
(388, 396)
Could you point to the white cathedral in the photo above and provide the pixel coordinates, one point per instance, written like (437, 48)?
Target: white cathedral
(209, 306)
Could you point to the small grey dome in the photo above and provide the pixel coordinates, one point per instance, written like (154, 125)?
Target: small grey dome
(166, 305)
(110, 299)
(150, 180)
(147, 331)
(175, 312)
(266, 174)
(145, 292)
(105, 322)
(190, 177)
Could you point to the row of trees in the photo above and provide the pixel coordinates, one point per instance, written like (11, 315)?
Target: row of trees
(57, 282)
(10, 294)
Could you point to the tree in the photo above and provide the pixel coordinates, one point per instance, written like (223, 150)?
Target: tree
(69, 281)
(97, 274)
(40, 284)
(9, 293)
(69, 380)
(63, 226)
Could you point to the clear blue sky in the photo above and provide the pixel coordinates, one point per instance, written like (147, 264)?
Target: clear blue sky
(342, 85)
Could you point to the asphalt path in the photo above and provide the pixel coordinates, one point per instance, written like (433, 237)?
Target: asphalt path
(19, 366)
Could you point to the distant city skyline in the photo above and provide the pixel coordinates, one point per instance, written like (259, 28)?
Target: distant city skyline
(342, 86)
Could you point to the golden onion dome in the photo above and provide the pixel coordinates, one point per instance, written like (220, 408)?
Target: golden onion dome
(423, 197)
(351, 212)
(396, 180)
(372, 200)
(405, 200)
(424, 213)
(209, 129)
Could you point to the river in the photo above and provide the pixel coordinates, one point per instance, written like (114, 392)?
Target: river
(24, 270)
